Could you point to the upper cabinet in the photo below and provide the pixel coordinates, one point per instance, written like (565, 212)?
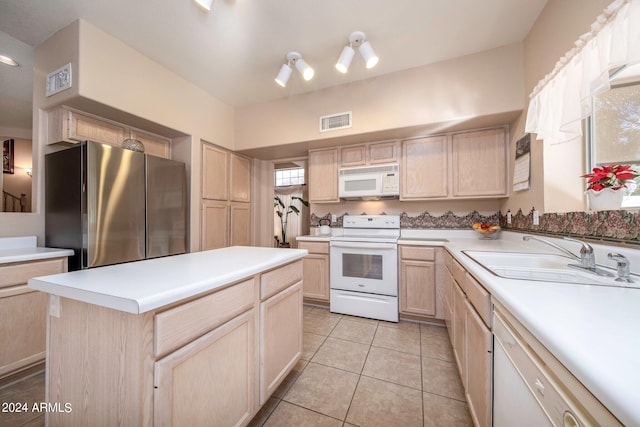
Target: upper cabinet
(68, 125)
(423, 168)
(461, 165)
(479, 163)
(323, 176)
(369, 154)
(226, 198)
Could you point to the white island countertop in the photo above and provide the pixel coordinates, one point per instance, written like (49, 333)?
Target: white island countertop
(138, 287)
(21, 249)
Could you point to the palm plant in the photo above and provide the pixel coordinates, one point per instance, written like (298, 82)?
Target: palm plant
(284, 211)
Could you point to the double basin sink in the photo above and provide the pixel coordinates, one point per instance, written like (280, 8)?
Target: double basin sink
(544, 267)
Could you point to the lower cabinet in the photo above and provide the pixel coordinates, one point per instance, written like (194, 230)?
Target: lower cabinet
(212, 378)
(417, 282)
(225, 224)
(316, 271)
(280, 338)
(471, 340)
(23, 316)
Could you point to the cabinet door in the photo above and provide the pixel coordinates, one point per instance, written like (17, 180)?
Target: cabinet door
(280, 337)
(353, 156)
(240, 234)
(214, 173)
(316, 277)
(240, 179)
(479, 163)
(323, 176)
(210, 381)
(459, 331)
(417, 288)
(155, 145)
(479, 351)
(384, 152)
(23, 320)
(423, 168)
(215, 225)
(82, 127)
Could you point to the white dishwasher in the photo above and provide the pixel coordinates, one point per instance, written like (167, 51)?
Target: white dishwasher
(527, 389)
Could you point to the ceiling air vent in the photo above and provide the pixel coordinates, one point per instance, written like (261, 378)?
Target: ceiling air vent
(335, 121)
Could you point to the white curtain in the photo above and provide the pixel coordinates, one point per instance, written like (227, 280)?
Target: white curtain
(297, 225)
(563, 98)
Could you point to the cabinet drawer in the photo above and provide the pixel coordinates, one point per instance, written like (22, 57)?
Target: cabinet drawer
(20, 272)
(418, 253)
(180, 325)
(458, 272)
(479, 298)
(276, 280)
(315, 247)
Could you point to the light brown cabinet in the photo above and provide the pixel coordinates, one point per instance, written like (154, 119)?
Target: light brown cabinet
(479, 163)
(316, 271)
(369, 154)
(23, 314)
(188, 381)
(65, 124)
(226, 198)
(211, 360)
(323, 176)
(471, 340)
(423, 168)
(417, 281)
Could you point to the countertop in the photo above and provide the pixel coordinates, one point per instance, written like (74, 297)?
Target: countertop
(21, 249)
(594, 331)
(141, 286)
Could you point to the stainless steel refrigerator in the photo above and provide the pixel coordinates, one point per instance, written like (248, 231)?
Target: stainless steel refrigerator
(112, 205)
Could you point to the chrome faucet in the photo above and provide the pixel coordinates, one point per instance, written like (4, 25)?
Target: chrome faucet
(586, 258)
(622, 266)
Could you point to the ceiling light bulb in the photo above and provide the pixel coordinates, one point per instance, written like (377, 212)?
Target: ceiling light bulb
(206, 4)
(283, 75)
(345, 59)
(8, 61)
(304, 68)
(369, 56)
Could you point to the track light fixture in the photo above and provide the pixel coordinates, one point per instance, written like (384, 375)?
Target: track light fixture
(301, 65)
(205, 4)
(359, 40)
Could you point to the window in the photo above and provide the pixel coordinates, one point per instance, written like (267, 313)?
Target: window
(286, 177)
(615, 131)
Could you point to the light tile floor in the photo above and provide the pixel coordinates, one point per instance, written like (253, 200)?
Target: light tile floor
(368, 373)
(353, 372)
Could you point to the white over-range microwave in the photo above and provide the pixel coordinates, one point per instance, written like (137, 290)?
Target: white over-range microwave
(369, 181)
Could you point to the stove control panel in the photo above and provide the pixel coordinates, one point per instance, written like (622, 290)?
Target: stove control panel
(371, 221)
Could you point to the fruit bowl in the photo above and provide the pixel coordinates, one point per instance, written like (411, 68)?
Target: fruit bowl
(487, 231)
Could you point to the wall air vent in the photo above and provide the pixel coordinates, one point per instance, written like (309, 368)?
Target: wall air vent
(59, 80)
(335, 121)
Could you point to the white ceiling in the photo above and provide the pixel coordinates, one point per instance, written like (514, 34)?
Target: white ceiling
(235, 51)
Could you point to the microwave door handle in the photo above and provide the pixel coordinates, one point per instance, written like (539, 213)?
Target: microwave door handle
(356, 245)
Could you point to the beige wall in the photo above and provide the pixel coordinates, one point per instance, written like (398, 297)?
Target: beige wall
(556, 185)
(457, 90)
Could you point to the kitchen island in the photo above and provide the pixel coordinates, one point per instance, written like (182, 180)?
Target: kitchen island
(195, 339)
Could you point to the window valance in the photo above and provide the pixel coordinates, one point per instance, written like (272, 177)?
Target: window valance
(563, 98)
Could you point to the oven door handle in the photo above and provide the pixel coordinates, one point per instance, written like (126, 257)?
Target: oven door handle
(363, 245)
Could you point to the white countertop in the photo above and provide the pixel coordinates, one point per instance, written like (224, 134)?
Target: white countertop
(594, 331)
(21, 249)
(138, 287)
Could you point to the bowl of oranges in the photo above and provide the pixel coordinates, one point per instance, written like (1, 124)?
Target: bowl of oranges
(486, 230)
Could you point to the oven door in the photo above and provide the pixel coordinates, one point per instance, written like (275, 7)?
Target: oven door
(364, 267)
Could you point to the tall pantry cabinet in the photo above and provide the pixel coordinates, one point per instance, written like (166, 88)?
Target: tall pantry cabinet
(226, 198)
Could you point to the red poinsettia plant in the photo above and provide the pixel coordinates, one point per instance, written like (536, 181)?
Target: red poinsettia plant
(612, 176)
